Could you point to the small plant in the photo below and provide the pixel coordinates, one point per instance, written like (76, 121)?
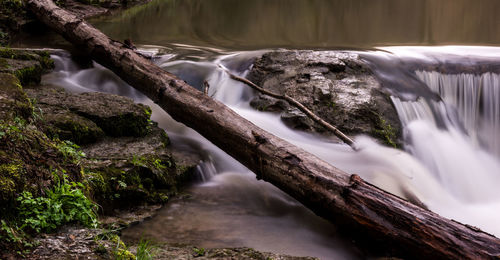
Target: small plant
(10, 234)
(120, 250)
(65, 203)
(14, 129)
(70, 150)
(138, 161)
(198, 251)
(145, 250)
(159, 164)
(387, 132)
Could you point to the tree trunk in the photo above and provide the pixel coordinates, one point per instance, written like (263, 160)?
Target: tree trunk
(384, 220)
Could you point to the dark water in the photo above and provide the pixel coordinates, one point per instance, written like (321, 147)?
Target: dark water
(256, 24)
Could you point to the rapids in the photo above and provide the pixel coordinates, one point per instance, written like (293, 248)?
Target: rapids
(446, 163)
(451, 121)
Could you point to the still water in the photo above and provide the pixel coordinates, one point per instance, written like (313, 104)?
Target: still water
(451, 158)
(257, 24)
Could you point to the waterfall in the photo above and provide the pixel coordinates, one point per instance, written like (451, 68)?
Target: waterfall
(476, 99)
(456, 136)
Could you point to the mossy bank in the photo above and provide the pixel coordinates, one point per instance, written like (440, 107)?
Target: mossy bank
(125, 161)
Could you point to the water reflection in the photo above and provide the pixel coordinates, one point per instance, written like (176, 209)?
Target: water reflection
(312, 23)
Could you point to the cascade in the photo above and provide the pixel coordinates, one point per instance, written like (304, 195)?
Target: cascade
(442, 164)
(476, 100)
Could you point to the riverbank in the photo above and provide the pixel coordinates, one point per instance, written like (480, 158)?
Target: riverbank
(102, 147)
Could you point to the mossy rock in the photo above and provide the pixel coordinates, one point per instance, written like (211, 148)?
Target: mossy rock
(27, 66)
(129, 171)
(115, 115)
(337, 86)
(65, 125)
(13, 100)
(28, 161)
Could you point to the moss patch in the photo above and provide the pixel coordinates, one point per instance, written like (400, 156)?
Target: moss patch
(129, 183)
(68, 126)
(13, 100)
(385, 131)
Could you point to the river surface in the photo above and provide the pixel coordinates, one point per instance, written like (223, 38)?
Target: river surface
(451, 117)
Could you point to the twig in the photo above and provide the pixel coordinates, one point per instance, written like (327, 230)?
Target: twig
(206, 86)
(296, 104)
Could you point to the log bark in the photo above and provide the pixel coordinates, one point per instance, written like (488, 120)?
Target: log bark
(384, 220)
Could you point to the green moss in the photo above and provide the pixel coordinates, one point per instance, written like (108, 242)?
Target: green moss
(46, 61)
(164, 139)
(387, 132)
(7, 53)
(16, 103)
(120, 250)
(144, 179)
(3, 64)
(68, 126)
(29, 74)
(147, 111)
(4, 38)
(7, 188)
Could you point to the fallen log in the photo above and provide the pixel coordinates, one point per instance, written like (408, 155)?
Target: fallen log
(374, 216)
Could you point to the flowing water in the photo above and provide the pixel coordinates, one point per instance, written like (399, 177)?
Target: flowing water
(451, 120)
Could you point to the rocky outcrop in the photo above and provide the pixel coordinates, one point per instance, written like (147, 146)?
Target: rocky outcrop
(125, 163)
(337, 86)
(78, 243)
(128, 160)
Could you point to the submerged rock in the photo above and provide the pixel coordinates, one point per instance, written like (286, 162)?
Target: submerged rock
(190, 252)
(78, 243)
(337, 86)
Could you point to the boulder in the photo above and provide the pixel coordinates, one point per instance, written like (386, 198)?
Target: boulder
(26, 65)
(115, 115)
(130, 171)
(337, 86)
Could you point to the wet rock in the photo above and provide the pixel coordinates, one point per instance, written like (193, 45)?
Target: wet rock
(73, 242)
(65, 125)
(128, 158)
(85, 8)
(269, 104)
(115, 115)
(296, 119)
(189, 252)
(26, 65)
(125, 218)
(337, 86)
(129, 171)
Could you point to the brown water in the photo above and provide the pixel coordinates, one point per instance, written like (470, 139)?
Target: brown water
(256, 24)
